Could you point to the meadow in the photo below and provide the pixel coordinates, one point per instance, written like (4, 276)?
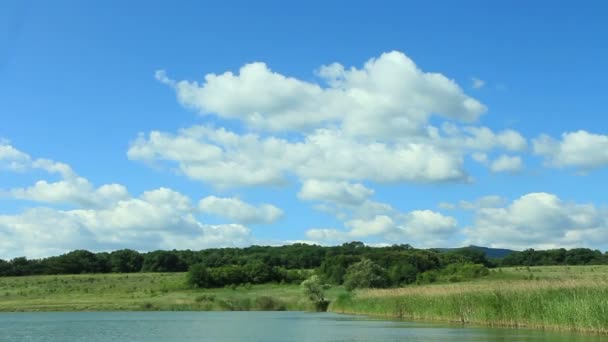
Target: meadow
(141, 292)
(569, 298)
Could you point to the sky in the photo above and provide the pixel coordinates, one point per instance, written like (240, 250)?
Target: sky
(189, 125)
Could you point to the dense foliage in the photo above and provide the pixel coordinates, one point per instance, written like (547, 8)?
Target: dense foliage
(315, 291)
(553, 257)
(391, 266)
(365, 274)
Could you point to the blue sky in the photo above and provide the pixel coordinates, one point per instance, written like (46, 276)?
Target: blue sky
(439, 125)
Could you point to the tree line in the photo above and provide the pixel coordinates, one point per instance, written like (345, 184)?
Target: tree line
(555, 257)
(351, 264)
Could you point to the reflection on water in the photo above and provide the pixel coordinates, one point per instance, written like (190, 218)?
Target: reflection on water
(245, 326)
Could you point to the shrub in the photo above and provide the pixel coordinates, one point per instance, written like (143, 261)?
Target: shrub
(198, 276)
(266, 303)
(315, 290)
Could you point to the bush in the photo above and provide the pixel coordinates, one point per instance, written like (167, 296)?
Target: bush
(204, 298)
(266, 303)
(402, 273)
(465, 271)
(427, 277)
(198, 276)
(315, 290)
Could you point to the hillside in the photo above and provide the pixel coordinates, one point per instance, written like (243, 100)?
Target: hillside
(494, 253)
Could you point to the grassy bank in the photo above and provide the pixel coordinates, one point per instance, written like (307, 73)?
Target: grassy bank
(560, 298)
(141, 291)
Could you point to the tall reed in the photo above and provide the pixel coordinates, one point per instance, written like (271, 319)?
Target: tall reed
(572, 305)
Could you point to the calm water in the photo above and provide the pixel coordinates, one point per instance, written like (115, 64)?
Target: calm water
(243, 326)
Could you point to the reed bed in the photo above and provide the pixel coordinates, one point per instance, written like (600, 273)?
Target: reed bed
(559, 304)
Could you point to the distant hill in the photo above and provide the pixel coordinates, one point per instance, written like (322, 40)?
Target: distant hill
(489, 252)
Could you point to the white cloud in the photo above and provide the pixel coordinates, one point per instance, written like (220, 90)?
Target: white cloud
(360, 124)
(477, 83)
(490, 201)
(236, 210)
(338, 192)
(245, 160)
(540, 220)
(105, 218)
(506, 163)
(446, 206)
(481, 138)
(158, 219)
(328, 234)
(389, 95)
(426, 228)
(480, 157)
(74, 191)
(422, 228)
(579, 149)
(379, 225)
(13, 159)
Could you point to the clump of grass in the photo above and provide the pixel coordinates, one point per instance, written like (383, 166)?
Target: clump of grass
(204, 298)
(266, 303)
(147, 306)
(235, 304)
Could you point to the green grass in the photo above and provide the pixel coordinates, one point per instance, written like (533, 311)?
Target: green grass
(142, 291)
(560, 298)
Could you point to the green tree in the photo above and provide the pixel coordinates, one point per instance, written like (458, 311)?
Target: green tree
(365, 274)
(315, 290)
(5, 268)
(402, 273)
(258, 272)
(126, 261)
(163, 261)
(198, 276)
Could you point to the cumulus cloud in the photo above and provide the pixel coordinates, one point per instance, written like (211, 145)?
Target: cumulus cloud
(480, 157)
(423, 228)
(479, 138)
(228, 159)
(387, 96)
(505, 163)
(239, 211)
(12, 159)
(105, 218)
(337, 192)
(72, 189)
(579, 149)
(427, 228)
(77, 191)
(540, 220)
(158, 219)
(368, 123)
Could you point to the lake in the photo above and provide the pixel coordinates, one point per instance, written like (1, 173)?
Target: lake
(244, 326)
